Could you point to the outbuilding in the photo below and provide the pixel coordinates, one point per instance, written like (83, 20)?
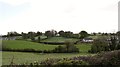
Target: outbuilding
(87, 40)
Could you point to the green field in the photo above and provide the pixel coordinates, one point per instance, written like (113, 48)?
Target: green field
(20, 57)
(41, 37)
(24, 57)
(83, 48)
(59, 39)
(19, 44)
(94, 37)
(97, 36)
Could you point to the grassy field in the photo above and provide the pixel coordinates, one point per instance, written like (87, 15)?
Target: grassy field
(98, 36)
(23, 57)
(94, 37)
(41, 37)
(20, 57)
(18, 44)
(59, 39)
(83, 48)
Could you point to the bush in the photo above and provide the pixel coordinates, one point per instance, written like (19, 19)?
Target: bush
(49, 61)
(59, 49)
(64, 61)
(105, 58)
(99, 45)
(68, 48)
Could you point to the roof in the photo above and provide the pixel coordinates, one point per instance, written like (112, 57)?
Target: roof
(88, 39)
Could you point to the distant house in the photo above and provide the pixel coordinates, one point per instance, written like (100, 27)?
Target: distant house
(87, 40)
(57, 34)
(8, 38)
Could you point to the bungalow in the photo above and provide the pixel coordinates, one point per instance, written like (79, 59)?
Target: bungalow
(87, 40)
(8, 38)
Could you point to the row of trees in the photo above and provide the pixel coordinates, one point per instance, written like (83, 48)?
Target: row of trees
(99, 33)
(10, 34)
(52, 33)
(31, 35)
(67, 34)
(49, 33)
(106, 44)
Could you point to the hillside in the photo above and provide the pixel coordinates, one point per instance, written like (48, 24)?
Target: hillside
(19, 44)
(59, 39)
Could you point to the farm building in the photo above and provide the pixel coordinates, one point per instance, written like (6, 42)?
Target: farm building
(87, 40)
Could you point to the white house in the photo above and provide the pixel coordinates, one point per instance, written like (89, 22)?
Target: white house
(87, 40)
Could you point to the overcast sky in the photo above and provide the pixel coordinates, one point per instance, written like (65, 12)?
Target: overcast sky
(67, 15)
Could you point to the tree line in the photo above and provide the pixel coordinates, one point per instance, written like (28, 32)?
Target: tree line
(52, 33)
(48, 33)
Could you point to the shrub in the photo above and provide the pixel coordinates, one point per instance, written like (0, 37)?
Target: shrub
(49, 61)
(107, 58)
(71, 48)
(104, 58)
(64, 61)
(114, 43)
(68, 48)
(99, 45)
(59, 49)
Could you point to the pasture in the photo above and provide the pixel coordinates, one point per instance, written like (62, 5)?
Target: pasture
(24, 57)
(59, 39)
(19, 44)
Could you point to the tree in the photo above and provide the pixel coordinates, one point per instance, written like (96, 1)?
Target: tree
(33, 39)
(68, 34)
(61, 33)
(113, 44)
(48, 34)
(39, 33)
(99, 45)
(75, 36)
(59, 49)
(24, 35)
(94, 34)
(68, 48)
(31, 35)
(54, 32)
(118, 34)
(83, 34)
(39, 39)
(11, 34)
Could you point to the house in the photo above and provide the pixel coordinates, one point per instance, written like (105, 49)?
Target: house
(8, 38)
(87, 40)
